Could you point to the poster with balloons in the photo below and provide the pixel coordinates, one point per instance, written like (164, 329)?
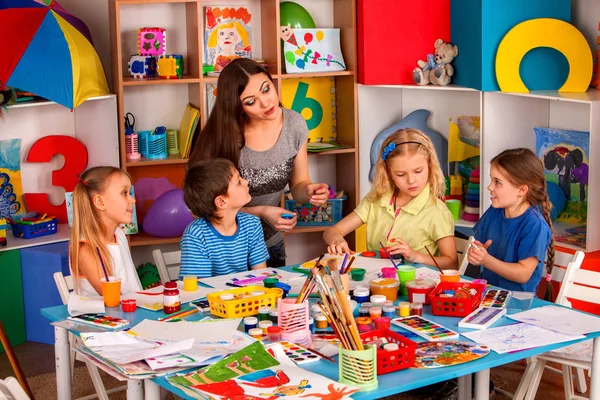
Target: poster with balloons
(312, 50)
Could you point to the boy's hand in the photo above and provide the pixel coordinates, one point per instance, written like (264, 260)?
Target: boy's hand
(477, 254)
(401, 247)
(317, 193)
(273, 216)
(338, 247)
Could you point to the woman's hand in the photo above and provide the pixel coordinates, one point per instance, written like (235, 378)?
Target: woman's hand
(338, 247)
(317, 193)
(401, 247)
(273, 216)
(478, 254)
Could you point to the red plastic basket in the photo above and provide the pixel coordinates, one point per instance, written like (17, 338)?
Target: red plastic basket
(453, 307)
(390, 361)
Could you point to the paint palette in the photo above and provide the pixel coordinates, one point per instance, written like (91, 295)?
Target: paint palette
(496, 298)
(299, 354)
(482, 318)
(100, 320)
(425, 328)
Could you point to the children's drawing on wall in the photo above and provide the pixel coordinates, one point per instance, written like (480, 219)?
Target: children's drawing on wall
(312, 50)
(565, 155)
(228, 34)
(211, 97)
(11, 189)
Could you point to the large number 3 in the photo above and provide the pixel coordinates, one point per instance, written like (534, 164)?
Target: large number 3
(76, 159)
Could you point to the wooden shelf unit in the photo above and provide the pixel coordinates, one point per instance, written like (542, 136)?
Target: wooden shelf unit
(122, 33)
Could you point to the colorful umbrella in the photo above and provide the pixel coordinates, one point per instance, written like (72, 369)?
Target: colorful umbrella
(49, 52)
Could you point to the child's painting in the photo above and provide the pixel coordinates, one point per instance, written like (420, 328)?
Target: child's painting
(445, 354)
(11, 189)
(312, 50)
(228, 35)
(314, 99)
(284, 380)
(211, 96)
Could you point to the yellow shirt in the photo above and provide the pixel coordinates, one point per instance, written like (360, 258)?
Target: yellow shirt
(422, 222)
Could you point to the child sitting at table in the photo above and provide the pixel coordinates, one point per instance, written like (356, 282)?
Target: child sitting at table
(222, 240)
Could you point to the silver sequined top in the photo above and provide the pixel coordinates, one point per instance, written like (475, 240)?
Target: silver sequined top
(268, 172)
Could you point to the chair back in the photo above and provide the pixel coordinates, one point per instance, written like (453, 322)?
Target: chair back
(579, 284)
(64, 284)
(11, 390)
(462, 246)
(167, 264)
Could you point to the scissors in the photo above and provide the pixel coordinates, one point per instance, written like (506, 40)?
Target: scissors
(129, 123)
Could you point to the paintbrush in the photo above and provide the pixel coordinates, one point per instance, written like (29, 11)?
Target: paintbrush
(388, 255)
(344, 263)
(321, 355)
(301, 294)
(434, 260)
(349, 264)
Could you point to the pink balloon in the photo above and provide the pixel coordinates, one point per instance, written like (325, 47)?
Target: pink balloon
(308, 37)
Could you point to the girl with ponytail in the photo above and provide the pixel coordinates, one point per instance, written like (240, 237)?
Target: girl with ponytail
(514, 235)
(101, 202)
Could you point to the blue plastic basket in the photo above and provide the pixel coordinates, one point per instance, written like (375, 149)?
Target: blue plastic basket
(35, 230)
(152, 146)
(311, 215)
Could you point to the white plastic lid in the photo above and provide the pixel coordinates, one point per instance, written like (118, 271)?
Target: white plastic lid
(258, 292)
(389, 308)
(361, 291)
(273, 313)
(265, 324)
(391, 347)
(255, 332)
(264, 309)
(315, 308)
(378, 299)
(227, 296)
(250, 321)
(320, 317)
(311, 320)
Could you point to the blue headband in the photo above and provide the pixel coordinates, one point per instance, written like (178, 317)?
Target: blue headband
(392, 146)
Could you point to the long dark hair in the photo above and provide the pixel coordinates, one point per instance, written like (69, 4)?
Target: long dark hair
(523, 167)
(223, 134)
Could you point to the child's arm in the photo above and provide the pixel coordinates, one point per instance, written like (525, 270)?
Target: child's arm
(257, 248)
(334, 236)
(303, 190)
(89, 267)
(194, 258)
(519, 272)
(259, 266)
(273, 217)
(448, 258)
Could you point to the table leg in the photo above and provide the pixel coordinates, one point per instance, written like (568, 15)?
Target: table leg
(63, 363)
(151, 390)
(135, 390)
(482, 385)
(595, 380)
(465, 387)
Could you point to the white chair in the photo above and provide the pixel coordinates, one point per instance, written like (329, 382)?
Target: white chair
(167, 264)
(64, 285)
(10, 389)
(577, 356)
(462, 246)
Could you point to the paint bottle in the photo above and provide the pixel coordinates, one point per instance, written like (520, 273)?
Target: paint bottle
(321, 321)
(315, 310)
(388, 272)
(227, 296)
(264, 325)
(264, 313)
(273, 316)
(363, 311)
(361, 295)
(171, 300)
(311, 324)
(382, 323)
(364, 324)
(375, 312)
(256, 333)
(270, 282)
(249, 323)
(404, 309)
(388, 303)
(378, 299)
(274, 333)
(416, 309)
(388, 311)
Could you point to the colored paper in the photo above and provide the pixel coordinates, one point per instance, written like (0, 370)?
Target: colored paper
(446, 354)
(559, 319)
(11, 188)
(313, 50)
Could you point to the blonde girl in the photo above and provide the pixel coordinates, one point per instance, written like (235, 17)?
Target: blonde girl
(403, 210)
(514, 235)
(102, 201)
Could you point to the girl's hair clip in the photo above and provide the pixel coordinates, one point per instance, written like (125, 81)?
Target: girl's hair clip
(548, 278)
(83, 182)
(392, 146)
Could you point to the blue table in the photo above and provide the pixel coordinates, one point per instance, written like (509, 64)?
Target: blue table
(389, 384)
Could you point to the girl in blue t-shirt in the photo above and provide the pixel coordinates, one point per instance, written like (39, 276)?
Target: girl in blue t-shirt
(514, 234)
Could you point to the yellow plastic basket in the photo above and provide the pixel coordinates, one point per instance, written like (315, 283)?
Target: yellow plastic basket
(243, 304)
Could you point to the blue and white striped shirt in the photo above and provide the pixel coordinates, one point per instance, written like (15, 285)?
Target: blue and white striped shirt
(205, 252)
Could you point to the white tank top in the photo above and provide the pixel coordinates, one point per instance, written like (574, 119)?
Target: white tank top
(122, 267)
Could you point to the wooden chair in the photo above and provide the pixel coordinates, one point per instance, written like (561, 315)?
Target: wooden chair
(10, 389)
(167, 264)
(462, 246)
(16, 367)
(64, 285)
(578, 356)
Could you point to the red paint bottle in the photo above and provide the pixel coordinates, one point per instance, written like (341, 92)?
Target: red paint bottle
(171, 300)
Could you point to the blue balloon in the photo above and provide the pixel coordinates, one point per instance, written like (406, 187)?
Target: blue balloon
(557, 198)
(300, 63)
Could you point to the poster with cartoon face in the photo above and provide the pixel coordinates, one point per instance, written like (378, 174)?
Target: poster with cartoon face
(228, 35)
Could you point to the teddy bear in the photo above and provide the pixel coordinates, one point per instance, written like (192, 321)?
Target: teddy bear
(437, 69)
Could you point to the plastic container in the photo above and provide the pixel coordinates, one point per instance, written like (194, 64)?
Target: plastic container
(257, 293)
(388, 272)
(293, 321)
(389, 311)
(264, 325)
(382, 322)
(171, 300)
(387, 287)
(416, 309)
(364, 324)
(242, 306)
(405, 273)
(263, 313)
(404, 309)
(274, 333)
(378, 299)
(375, 312)
(226, 297)
(391, 360)
(315, 309)
(363, 311)
(273, 316)
(256, 333)
(128, 305)
(270, 282)
(361, 295)
(455, 306)
(359, 367)
(358, 274)
(450, 275)
(249, 323)
(285, 288)
(36, 230)
(311, 215)
(321, 322)
(419, 289)
(311, 324)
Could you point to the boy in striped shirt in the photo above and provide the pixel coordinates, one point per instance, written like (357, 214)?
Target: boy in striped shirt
(222, 240)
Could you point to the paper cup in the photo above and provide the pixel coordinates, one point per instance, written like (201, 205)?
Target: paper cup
(111, 291)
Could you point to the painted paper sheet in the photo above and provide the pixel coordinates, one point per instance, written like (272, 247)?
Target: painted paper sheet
(228, 35)
(11, 188)
(312, 50)
(445, 354)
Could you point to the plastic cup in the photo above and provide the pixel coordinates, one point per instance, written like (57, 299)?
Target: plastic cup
(454, 207)
(450, 275)
(111, 291)
(405, 273)
(190, 283)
